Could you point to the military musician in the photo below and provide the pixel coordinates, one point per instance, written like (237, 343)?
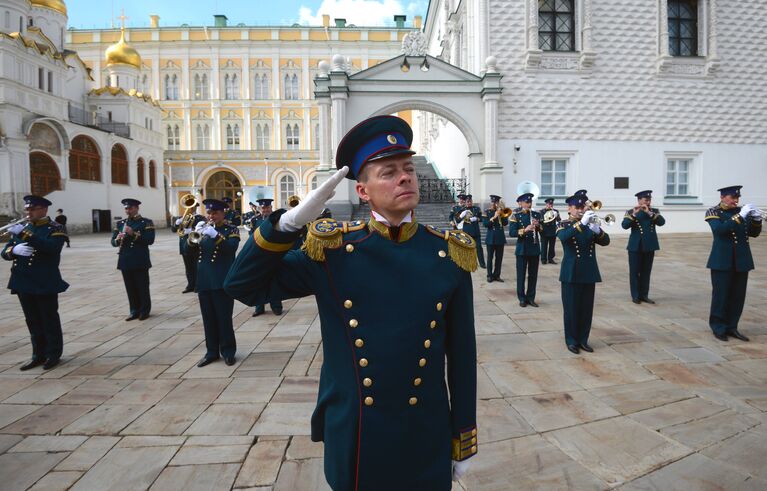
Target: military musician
(550, 224)
(233, 215)
(214, 244)
(132, 236)
(471, 216)
(525, 225)
(247, 218)
(579, 271)
(395, 304)
(35, 249)
(730, 260)
(495, 219)
(275, 303)
(456, 209)
(183, 226)
(642, 244)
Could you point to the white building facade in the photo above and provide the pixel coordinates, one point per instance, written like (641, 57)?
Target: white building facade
(83, 146)
(616, 97)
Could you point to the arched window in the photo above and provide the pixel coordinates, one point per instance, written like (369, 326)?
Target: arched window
(294, 84)
(313, 183)
(84, 159)
(140, 171)
(145, 84)
(288, 88)
(232, 136)
(197, 86)
(203, 137)
(287, 189)
(231, 86)
(44, 174)
(152, 174)
(223, 184)
(292, 136)
(119, 165)
(261, 87)
(171, 87)
(262, 136)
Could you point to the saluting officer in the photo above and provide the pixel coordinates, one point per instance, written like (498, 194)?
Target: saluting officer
(457, 209)
(275, 303)
(579, 271)
(471, 226)
(730, 260)
(35, 249)
(133, 236)
(190, 260)
(643, 242)
(215, 254)
(525, 225)
(395, 301)
(549, 233)
(495, 239)
(233, 215)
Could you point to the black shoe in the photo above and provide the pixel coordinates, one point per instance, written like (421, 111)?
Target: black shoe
(277, 311)
(544, 262)
(532, 303)
(143, 317)
(50, 363)
(187, 290)
(34, 362)
(229, 360)
(131, 317)
(258, 311)
(647, 300)
(498, 279)
(206, 361)
(573, 349)
(736, 334)
(483, 266)
(67, 245)
(522, 303)
(636, 301)
(489, 279)
(552, 261)
(721, 337)
(586, 347)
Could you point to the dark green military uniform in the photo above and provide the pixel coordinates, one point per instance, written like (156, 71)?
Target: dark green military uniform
(394, 304)
(134, 263)
(233, 217)
(214, 257)
(453, 216)
(730, 261)
(472, 228)
(190, 260)
(642, 244)
(528, 253)
(275, 303)
(578, 275)
(37, 282)
(495, 239)
(549, 235)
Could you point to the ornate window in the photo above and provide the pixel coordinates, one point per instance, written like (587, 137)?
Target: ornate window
(201, 91)
(171, 86)
(287, 189)
(683, 27)
(44, 174)
(173, 133)
(559, 34)
(84, 159)
(688, 38)
(292, 136)
(556, 25)
(119, 165)
(290, 83)
(261, 86)
(233, 136)
(202, 133)
(313, 183)
(152, 174)
(231, 86)
(140, 172)
(262, 136)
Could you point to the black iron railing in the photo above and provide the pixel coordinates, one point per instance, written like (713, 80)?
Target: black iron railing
(441, 190)
(80, 116)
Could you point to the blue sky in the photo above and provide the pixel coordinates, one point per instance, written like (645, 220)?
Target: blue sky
(87, 14)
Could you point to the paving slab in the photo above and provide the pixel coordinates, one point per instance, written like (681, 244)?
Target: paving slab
(546, 412)
(250, 390)
(209, 477)
(262, 464)
(107, 419)
(677, 413)
(529, 377)
(226, 419)
(745, 451)
(284, 419)
(631, 398)
(47, 420)
(301, 474)
(127, 469)
(218, 454)
(49, 443)
(707, 431)
(21, 470)
(88, 453)
(165, 419)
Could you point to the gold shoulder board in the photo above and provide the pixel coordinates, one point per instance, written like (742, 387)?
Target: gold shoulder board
(327, 233)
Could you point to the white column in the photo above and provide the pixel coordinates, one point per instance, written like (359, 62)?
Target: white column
(305, 81)
(491, 129)
(245, 136)
(156, 79)
(245, 76)
(185, 90)
(663, 12)
(188, 144)
(325, 133)
(216, 135)
(277, 129)
(276, 85)
(215, 76)
(306, 134)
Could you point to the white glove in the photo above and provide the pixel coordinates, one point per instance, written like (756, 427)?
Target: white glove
(746, 210)
(311, 207)
(587, 217)
(756, 213)
(22, 250)
(178, 221)
(210, 231)
(187, 231)
(463, 214)
(595, 227)
(473, 219)
(460, 468)
(200, 226)
(15, 229)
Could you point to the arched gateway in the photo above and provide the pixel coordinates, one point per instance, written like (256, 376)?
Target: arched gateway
(412, 81)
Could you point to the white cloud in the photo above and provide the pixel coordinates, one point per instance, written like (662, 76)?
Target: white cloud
(359, 12)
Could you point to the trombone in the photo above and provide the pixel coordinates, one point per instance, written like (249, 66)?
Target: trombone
(596, 205)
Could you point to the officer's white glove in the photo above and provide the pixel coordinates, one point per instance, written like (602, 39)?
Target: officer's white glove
(756, 213)
(463, 214)
(187, 231)
(15, 229)
(311, 207)
(746, 210)
(473, 219)
(22, 250)
(200, 226)
(595, 227)
(587, 217)
(460, 468)
(178, 221)
(210, 231)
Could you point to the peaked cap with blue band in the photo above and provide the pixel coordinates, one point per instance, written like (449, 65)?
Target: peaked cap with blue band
(730, 191)
(130, 202)
(373, 139)
(265, 201)
(31, 200)
(526, 198)
(549, 201)
(576, 200)
(214, 204)
(644, 194)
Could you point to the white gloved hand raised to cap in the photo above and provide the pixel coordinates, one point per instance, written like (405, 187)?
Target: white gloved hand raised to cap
(311, 206)
(22, 250)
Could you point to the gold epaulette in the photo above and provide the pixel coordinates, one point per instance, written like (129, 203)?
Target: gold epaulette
(327, 233)
(460, 246)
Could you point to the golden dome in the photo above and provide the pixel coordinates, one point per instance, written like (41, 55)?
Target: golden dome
(57, 5)
(122, 53)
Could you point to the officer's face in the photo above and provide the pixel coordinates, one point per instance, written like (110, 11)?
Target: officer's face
(730, 200)
(524, 205)
(644, 201)
(216, 216)
(469, 202)
(391, 186)
(266, 209)
(576, 211)
(549, 206)
(462, 202)
(131, 210)
(36, 212)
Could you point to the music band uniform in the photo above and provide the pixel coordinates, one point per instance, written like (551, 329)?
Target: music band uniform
(642, 244)
(394, 304)
(471, 227)
(233, 216)
(190, 260)
(37, 282)
(528, 250)
(549, 235)
(275, 303)
(133, 260)
(730, 261)
(495, 239)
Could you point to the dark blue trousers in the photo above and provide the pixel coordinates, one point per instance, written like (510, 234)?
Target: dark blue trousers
(494, 251)
(137, 286)
(547, 248)
(578, 307)
(640, 267)
(527, 265)
(216, 307)
(480, 252)
(727, 299)
(42, 315)
(190, 268)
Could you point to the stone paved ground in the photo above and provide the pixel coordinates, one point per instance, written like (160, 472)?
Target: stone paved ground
(660, 405)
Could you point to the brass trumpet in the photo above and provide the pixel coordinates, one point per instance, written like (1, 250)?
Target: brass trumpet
(196, 237)
(189, 202)
(503, 211)
(293, 200)
(20, 221)
(466, 219)
(596, 205)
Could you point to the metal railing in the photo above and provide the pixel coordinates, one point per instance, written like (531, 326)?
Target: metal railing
(441, 190)
(80, 116)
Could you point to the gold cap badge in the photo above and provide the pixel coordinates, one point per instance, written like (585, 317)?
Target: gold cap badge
(391, 139)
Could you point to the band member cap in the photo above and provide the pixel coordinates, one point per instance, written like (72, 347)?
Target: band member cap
(730, 191)
(374, 139)
(130, 202)
(644, 194)
(468, 196)
(214, 204)
(31, 200)
(549, 201)
(576, 200)
(461, 196)
(525, 198)
(581, 192)
(265, 202)
(494, 198)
